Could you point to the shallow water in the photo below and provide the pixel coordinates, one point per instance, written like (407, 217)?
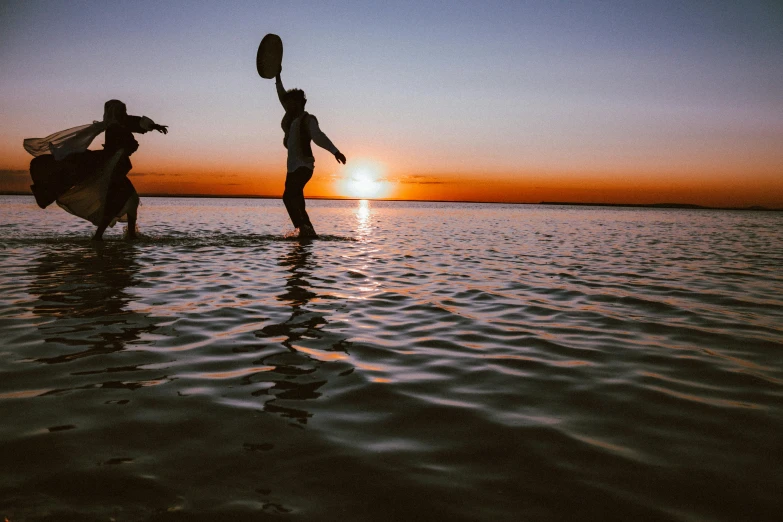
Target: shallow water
(418, 361)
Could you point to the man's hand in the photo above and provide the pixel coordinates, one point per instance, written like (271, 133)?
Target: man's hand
(162, 128)
(340, 157)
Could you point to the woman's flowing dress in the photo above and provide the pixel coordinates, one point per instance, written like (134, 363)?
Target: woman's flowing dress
(87, 183)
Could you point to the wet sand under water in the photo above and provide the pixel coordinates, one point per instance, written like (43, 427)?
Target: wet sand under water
(418, 361)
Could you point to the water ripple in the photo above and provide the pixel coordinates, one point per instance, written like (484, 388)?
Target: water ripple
(475, 362)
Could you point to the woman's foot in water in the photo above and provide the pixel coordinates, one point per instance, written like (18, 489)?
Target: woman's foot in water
(98, 236)
(131, 233)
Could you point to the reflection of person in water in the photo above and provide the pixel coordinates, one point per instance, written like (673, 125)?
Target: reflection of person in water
(300, 129)
(91, 184)
(86, 294)
(303, 323)
(298, 293)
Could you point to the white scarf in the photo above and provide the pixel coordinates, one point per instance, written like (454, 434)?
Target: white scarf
(66, 142)
(76, 139)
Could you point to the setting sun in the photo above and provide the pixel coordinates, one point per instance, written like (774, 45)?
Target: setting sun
(363, 179)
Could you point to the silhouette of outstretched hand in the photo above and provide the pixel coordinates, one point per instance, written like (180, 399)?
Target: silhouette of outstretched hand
(162, 128)
(340, 157)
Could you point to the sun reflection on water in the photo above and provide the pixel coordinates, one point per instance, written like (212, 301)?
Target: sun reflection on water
(364, 231)
(363, 226)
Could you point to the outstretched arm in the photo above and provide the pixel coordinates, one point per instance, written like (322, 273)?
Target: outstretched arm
(280, 90)
(320, 139)
(142, 124)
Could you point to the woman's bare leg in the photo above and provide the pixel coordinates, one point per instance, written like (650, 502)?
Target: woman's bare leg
(98, 236)
(132, 216)
(110, 213)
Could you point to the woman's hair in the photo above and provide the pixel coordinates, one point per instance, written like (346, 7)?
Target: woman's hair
(295, 95)
(114, 111)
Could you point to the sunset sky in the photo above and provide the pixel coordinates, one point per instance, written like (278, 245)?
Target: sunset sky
(619, 102)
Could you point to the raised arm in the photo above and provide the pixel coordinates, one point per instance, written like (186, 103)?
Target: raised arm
(320, 139)
(280, 90)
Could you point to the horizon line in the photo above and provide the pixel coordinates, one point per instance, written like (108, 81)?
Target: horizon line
(671, 206)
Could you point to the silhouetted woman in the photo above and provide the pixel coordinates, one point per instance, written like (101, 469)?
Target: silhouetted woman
(91, 184)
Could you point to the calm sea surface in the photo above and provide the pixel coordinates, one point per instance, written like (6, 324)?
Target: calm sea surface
(417, 362)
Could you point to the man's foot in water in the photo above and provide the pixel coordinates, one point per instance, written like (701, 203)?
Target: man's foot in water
(307, 231)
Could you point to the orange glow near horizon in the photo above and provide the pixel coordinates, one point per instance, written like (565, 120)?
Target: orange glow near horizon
(396, 176)
(369, 180)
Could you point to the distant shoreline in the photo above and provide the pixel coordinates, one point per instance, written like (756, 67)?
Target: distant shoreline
(673, 206)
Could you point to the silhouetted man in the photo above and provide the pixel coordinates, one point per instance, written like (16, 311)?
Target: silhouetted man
(300, 129)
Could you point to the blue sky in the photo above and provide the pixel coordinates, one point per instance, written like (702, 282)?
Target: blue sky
(426, 88)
